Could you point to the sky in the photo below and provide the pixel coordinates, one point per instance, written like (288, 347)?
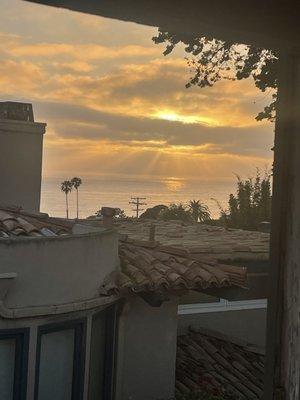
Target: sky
(114, 105)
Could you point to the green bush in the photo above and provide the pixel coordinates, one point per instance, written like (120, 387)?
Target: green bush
(250, 205)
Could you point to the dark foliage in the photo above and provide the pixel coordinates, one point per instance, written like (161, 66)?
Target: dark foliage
(119, 214)
(212, 60)
(251, 204)
(199, 211)
(194, 211)
(178, 212)
(153, 212)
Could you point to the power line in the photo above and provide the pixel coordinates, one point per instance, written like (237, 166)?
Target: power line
(137, 202)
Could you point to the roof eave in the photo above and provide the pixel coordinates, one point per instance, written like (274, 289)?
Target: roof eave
(261, 23)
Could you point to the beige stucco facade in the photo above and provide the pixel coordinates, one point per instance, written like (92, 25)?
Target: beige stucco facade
(147, 350)
(57, 270)
(21, 163)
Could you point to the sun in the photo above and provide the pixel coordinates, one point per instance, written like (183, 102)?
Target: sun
(168, 116)
(185, 119)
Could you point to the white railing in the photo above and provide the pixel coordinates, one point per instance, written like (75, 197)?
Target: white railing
(222, 305)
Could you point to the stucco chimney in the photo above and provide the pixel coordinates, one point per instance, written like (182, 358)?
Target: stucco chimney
(108, 214)
(21, 150)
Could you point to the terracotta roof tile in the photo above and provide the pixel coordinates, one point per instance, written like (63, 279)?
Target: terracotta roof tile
(15, 222)
(149, 267)
(199, 239)
(211, 362)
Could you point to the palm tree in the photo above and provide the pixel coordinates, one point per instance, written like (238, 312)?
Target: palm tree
(66, 187)
(199, 211)
(76, 182)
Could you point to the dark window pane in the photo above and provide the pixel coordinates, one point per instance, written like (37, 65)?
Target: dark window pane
(7, 368)
(97, 361)
(56, 365)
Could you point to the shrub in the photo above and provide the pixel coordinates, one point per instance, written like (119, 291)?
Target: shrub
(176, 212)
(250, 205)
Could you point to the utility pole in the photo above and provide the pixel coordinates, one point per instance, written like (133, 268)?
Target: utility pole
(137, 202)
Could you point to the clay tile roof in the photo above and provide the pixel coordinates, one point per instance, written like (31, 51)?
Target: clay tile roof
(201, 239)
(15, 222)
(149, 267)
(211, 362)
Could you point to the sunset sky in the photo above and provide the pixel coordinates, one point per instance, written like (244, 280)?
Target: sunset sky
(115, 105)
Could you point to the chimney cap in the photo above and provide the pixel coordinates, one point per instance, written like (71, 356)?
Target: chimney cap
(16, 111)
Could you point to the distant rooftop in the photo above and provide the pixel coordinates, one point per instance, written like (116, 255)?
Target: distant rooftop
(205, 240)
(15, 222)
(16, 111)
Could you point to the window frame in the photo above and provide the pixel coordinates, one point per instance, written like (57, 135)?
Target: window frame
(110, 343)
(78, 373)
(21, 336)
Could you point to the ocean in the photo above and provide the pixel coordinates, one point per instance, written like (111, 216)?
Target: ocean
(96, 192)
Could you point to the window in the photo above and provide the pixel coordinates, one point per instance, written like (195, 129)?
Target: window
(102, 355)
(13, 363)
(60, 361)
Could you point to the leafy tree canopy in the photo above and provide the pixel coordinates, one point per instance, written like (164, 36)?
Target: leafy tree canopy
(76, 182)
(251, 204)
(176, 212)
(153, 212)
(66, 186)
(199, 211)
(212, 60)
(119, 214)
(194, 211)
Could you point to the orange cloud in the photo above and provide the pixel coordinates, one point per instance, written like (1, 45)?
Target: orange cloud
(74, 66)
(20, 77)
(80, 51)
(118, 106)
(131, 88)
(115, 158)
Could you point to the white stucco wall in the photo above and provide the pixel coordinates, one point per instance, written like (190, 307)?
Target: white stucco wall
(21, 147)
(58, 270)
(146, 351)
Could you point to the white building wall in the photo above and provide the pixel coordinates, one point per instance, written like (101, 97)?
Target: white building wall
(21, 147)
(57, 270)
(147, 351)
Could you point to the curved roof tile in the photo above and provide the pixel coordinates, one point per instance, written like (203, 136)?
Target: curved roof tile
(216, 364)
(149, 267)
